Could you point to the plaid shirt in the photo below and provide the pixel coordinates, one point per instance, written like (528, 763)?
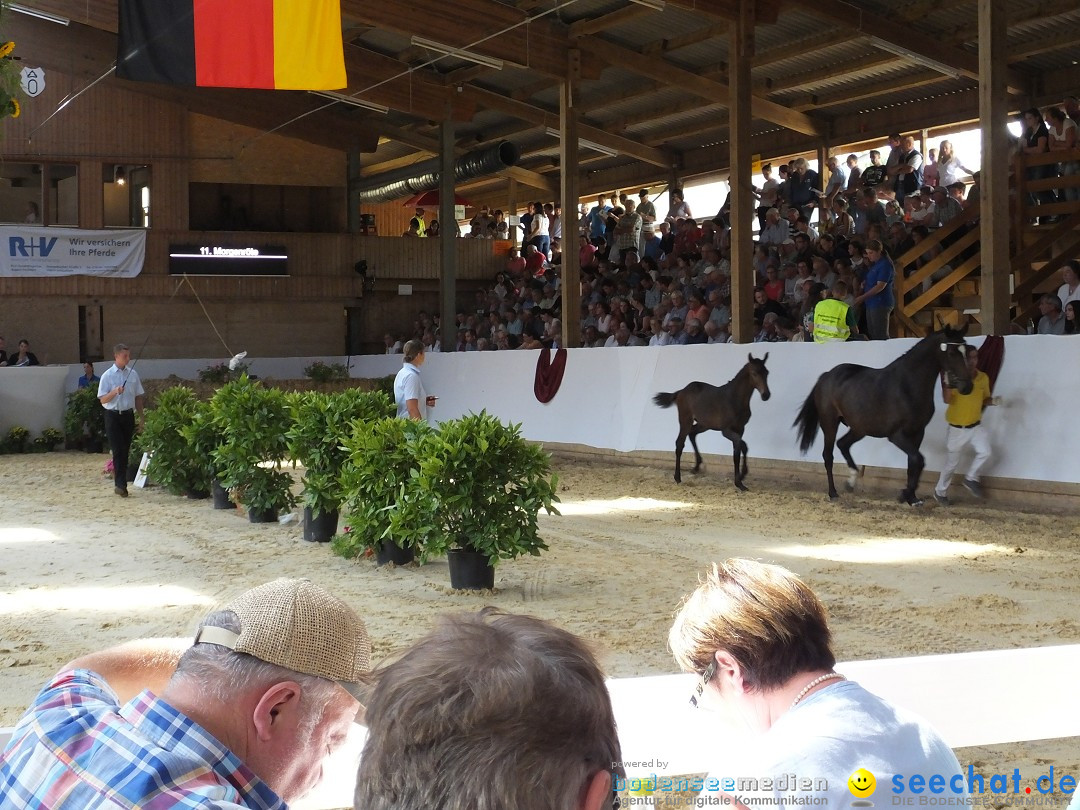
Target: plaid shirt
(77, 748)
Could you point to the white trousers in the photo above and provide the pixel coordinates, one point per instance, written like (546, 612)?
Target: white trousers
(957, 439)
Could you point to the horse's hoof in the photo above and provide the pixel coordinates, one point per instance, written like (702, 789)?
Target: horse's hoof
(678, 480)
(833, 497)
(741, 487)
(849, 486)
(915, 502)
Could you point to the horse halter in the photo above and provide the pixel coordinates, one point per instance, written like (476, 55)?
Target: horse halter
(949, 375)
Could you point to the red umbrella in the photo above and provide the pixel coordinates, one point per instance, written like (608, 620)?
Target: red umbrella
(430, 199)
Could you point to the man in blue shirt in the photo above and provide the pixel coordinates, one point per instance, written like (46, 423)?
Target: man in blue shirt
(598, 219)
(121, 394)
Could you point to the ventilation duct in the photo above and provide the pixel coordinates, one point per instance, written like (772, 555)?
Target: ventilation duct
(424, 176)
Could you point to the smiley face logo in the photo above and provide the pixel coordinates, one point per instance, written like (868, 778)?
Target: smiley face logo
(862, 784)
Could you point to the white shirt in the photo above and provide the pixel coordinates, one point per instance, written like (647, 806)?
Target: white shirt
(407, 386)
(127, 377)
(949, 173)
(1066, 295)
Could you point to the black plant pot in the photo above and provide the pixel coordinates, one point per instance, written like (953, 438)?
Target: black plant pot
(262, 515)
(198, 494)
(92, 445)
(387, 552)
(221, 496)
(320, 529)
(470, 570)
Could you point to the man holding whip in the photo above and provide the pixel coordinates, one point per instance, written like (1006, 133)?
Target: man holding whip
(121, 394)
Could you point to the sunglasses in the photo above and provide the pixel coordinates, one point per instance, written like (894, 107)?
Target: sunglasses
(699, 689)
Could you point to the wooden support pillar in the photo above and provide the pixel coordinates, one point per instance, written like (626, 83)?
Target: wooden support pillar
(568, 193)
(739, 155)
(352, 195)
(994, 178)
(447, 232)
(511, 211)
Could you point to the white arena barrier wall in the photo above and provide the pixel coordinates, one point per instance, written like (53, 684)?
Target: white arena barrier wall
(32, 397)
(605, 400)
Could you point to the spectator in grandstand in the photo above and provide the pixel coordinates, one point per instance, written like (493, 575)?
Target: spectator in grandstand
(1062, 132)
(1072, 317)
(1052, 321)
(1035, 140)
(803, 187)
(878, 297)
(931, 177)
(758, 639)
(908, 170)
(1070, 276)
(950, 167)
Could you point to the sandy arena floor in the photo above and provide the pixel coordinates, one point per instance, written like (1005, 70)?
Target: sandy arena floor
(82, 569)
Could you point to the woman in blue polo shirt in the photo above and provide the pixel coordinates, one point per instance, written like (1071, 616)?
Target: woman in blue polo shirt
(878, 297)
(412, 402)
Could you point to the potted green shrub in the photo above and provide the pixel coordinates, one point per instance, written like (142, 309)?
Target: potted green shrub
(490, 485)
(321, 423)
(387, 514)
(173, 463)
(16, 439)
(320, 372)
(203, 438)
(252, 421)
(84, 420)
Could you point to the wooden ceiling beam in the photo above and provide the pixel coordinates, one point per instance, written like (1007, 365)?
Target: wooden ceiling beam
(706, 32)
(592, 25)
(1018, 14)
(394, 84)
(706, 88)
(540, 117)
(800, 47)
(809, 78)
(397, 163)
(893, 36)
(1067, 39)
(879, 90)
(539, 45)
(765, 11)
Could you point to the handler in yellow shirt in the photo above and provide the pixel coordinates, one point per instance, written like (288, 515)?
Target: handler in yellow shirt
(964, 415)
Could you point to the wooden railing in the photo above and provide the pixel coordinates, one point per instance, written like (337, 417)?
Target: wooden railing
(1051, 243)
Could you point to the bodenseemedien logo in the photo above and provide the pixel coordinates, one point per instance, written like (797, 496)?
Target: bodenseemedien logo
(862, 785)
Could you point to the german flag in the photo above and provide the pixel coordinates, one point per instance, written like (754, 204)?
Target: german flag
(265, 44)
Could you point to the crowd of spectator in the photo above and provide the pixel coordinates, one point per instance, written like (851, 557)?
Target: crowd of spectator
(652, 280)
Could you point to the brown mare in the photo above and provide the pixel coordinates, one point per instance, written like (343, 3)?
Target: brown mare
(726, 408)
(895, 402)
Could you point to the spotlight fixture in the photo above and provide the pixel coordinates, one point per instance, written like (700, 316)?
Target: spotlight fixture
(41, 15)
(351, 100)
(119, 176)
(459, 53)
(596, 147)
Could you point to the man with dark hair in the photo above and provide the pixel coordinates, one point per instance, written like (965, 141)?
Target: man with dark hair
(759, 641)
(964, 417)
(121, 394)
(246, 715)
(490, 711)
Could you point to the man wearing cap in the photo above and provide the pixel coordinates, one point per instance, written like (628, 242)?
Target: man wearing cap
(121, 394)
(244, 717)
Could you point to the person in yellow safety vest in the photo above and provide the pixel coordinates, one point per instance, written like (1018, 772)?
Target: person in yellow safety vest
(421, 226)
(833, 319)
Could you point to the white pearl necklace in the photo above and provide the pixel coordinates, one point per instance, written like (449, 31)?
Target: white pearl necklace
(827, 677)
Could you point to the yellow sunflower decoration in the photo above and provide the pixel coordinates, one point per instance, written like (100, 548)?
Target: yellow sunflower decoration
(10, 78)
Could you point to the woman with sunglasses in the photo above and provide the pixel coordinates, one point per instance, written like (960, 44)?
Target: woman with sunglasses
(759, 640)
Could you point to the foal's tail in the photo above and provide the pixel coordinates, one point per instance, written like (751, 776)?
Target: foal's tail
(665, 400)
(807, 422)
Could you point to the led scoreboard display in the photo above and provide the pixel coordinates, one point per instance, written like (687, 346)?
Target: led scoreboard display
(218, 260)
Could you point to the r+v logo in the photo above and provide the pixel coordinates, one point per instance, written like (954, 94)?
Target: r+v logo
(40, 246)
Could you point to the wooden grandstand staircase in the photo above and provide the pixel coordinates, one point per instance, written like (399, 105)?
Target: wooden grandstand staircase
(947, 288)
